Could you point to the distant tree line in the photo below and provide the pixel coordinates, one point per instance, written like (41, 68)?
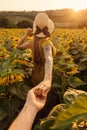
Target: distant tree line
(64, 18)
(6, 23)
(24, 24)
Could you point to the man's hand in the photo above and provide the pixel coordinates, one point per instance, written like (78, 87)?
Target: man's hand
(36, 98)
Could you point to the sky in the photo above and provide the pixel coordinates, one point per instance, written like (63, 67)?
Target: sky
(41, 5)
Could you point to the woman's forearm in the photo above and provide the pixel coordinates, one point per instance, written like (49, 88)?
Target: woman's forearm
(25, 119)
(48, 69)
(48, 63)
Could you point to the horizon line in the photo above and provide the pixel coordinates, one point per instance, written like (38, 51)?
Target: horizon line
(41, 10)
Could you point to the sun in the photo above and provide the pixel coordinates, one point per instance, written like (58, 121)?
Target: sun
(77, 5)
(76, 9)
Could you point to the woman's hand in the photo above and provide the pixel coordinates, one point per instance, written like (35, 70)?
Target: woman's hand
(29, 32)
(45, 85)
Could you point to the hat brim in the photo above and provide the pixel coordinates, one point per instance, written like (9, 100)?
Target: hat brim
(50, 26)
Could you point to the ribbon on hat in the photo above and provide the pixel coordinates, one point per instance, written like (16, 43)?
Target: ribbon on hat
(44, 30)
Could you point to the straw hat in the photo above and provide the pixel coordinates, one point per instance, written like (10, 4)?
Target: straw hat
(43, 26)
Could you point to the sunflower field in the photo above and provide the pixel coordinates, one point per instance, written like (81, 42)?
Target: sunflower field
(69, 85)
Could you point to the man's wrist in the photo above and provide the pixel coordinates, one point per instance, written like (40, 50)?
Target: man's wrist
(30, 112)
(30, 107)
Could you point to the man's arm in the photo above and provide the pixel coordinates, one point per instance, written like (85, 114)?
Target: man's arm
(35, 101)
(25, 119)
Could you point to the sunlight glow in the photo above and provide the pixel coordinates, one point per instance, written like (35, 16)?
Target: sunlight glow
(77, 5)
(76, 9)
(20, 5)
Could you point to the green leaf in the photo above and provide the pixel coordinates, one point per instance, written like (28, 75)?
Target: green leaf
(47, 123)
(3, 114)
(57, 109)
(76, 111)
(82, 66)
(72, 94)
(75, 81)
(20, 91)
(83, 56)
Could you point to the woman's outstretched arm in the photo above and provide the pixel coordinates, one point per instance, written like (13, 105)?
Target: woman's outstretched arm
(46, 83)
(35, 101)
(48, 63)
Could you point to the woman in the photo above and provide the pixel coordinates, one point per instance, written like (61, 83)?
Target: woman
(42, 48)
(43, 52)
